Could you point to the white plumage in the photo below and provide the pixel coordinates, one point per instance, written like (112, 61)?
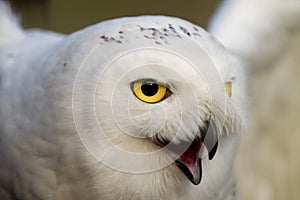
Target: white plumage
(73, 127)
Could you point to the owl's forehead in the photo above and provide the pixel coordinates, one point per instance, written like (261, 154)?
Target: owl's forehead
(150, 46)
(160, 64)
(165, 41)
(163, 32)
(158, 26)
(156, 30)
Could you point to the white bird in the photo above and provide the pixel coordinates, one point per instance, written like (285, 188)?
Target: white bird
(146, 107)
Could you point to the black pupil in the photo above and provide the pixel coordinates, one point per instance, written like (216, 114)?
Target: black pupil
(149, 88)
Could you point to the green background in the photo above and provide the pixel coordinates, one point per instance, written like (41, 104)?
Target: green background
(69, 15)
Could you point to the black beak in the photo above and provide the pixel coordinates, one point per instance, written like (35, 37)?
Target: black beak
(189, 162)
(194, 175)
(210, 139)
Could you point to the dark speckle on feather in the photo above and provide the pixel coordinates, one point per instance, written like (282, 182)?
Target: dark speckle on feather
(110, 39)
(106, 39)
(161, 35)
(185, 31)
(172, 29)
(152, 29)
(148, 37)
(64, 67)
(154, 33)
(197, 34)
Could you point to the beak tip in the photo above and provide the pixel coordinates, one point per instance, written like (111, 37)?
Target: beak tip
(213, 151)
(195, 175)
(196, 181)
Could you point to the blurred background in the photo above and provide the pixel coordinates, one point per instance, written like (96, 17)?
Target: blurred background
(69, 15)
(269, 160)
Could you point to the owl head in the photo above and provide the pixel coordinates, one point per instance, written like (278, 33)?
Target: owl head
(152, 92)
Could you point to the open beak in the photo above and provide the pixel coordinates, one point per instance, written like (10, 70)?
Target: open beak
(189, 162)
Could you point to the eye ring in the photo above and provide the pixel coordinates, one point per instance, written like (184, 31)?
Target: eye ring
(150, 91)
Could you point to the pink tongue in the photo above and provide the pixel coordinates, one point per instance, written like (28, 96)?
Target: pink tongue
(189, 161)
(190, 156)
(188, 152)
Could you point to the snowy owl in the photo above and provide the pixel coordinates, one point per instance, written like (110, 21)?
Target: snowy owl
(146, 107)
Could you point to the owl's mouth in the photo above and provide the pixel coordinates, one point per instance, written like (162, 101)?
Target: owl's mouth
(188, 162)
(188, 151)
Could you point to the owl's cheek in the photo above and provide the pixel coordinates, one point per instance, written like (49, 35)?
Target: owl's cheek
(150, 121)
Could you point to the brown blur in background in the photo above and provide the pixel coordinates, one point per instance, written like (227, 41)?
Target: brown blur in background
(69, 15)
(269, 159)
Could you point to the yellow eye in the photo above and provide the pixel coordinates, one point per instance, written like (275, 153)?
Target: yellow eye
(228, 88)
(150, 91)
